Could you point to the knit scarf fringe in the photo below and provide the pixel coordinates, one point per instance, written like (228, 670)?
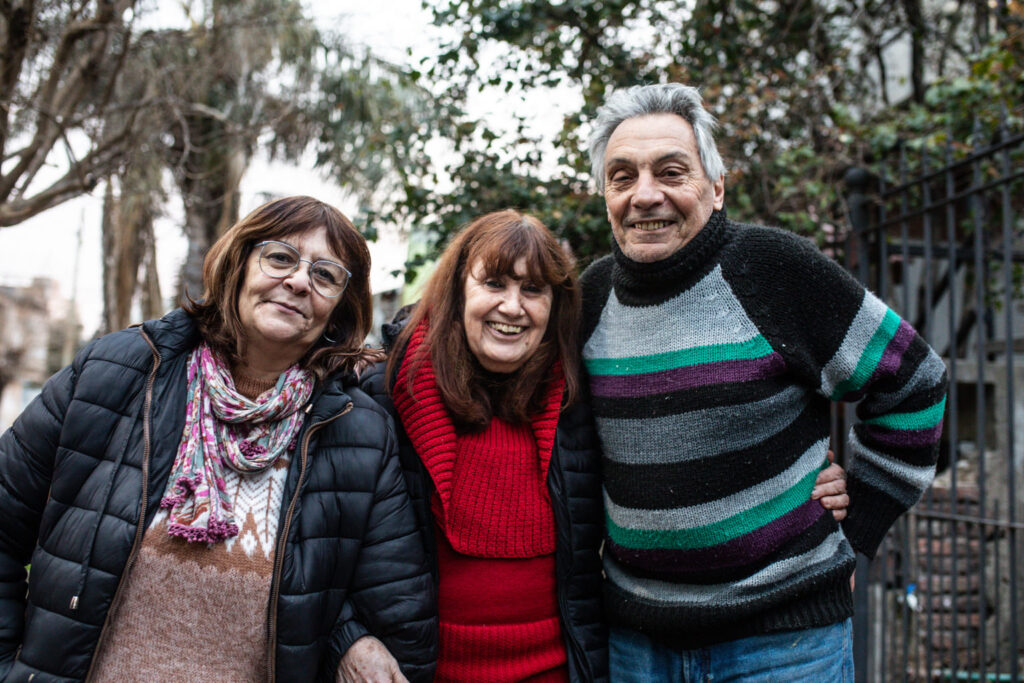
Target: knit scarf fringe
(224, 428)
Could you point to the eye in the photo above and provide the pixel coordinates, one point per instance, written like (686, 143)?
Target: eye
(619, 176)
(493, 283)
(532, 288)
(324, 274)
(280, 258)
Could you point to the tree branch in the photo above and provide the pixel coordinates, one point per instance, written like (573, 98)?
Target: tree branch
(53, 101)
(82, 177)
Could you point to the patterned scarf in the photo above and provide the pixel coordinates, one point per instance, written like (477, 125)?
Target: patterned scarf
(222, 427)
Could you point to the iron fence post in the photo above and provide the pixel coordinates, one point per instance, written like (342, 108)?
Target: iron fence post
(857, 243)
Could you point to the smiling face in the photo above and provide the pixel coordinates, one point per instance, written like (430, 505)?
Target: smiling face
(657, 194)
(284, 317)
(504, 316)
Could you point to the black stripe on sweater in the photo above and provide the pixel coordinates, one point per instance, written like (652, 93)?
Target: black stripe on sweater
(665, 486)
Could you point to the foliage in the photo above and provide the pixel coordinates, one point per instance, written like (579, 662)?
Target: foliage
(795, 86)
(972, 126)
(990, 93)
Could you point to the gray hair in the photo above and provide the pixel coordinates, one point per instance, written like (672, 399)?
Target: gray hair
(642, 100)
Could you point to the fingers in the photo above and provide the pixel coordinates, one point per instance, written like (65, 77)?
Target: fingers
(832, 488)
(368, 661)
(837, 504)
(831, 473)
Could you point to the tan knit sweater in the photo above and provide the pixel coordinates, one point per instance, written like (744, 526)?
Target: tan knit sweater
(191, 611)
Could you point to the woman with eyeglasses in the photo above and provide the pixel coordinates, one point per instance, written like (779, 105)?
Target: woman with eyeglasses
(210, 496)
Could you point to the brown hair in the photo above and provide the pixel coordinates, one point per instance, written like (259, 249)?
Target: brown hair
(224, 272)
(497, 240)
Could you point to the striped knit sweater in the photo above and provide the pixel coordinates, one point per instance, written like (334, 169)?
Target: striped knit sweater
(711, 375)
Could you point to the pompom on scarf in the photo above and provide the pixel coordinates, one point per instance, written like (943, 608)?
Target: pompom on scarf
(224, 428)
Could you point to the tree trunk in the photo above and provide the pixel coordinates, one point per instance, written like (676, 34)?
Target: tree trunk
(110, 258)
(153, 305)
(127, 250)
(915, 20)
(211, 207)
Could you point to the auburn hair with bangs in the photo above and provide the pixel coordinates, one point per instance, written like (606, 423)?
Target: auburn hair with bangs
(471, 394)
(224, 268)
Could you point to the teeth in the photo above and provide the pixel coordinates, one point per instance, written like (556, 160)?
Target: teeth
(650, 225)
(507, 329)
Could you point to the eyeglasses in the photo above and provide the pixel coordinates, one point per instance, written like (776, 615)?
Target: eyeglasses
(279, 260)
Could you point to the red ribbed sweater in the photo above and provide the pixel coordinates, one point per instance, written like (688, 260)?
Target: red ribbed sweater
(495, 534)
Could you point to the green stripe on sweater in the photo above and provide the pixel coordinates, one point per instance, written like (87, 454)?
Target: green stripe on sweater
(755, 347)
(719, 532)
(871, 357)
(921, 419)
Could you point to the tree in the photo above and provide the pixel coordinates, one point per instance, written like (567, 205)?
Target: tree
(129, 246)
(60, 62)
(795, 86)
(243, 75)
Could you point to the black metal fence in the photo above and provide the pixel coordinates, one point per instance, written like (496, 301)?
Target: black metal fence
(937, 230)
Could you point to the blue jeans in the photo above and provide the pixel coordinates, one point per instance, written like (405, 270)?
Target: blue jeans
(815, 655)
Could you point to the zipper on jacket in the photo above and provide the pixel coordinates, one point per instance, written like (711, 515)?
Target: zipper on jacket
(143, 503)
(282, 539)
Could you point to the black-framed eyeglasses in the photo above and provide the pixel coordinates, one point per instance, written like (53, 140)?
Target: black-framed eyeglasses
(279, 260)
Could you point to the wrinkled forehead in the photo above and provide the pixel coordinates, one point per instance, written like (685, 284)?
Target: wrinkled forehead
(651, 135)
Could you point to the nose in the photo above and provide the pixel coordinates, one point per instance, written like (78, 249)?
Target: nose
(647, 192)
(511, 303)
(299, 281)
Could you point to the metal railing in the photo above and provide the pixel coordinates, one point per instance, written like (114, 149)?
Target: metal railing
(937, 230)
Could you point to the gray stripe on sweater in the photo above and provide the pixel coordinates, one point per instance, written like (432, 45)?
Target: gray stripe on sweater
(707, 313)
(699, 434)
(778, 576)
(858, 334)
(915, 476)
(928, 374)
(695, 516)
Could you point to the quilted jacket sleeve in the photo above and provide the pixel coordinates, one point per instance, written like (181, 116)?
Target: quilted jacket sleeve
(27, 453)
(392, 593)
(417, 481)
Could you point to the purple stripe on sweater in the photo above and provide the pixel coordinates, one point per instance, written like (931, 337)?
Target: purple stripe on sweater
(676, 379)
(904, 438)
(893, 354)
(677, 565)
(890, 361)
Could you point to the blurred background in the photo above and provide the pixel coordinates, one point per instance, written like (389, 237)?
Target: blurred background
(891, 132)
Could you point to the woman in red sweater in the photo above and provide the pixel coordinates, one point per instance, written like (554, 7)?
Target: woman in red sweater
(501, 456)
(483, 370)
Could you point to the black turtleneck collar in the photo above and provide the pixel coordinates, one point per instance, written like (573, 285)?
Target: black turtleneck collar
(650, 283)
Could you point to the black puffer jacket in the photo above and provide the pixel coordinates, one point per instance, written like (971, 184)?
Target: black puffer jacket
(574, 482)
(97, 447)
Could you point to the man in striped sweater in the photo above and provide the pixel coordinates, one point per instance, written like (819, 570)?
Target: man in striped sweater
(714, 350)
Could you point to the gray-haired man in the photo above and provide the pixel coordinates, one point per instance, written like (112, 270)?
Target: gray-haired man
(714, 350)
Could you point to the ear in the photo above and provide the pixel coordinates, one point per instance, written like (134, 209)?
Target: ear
(718, 187)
